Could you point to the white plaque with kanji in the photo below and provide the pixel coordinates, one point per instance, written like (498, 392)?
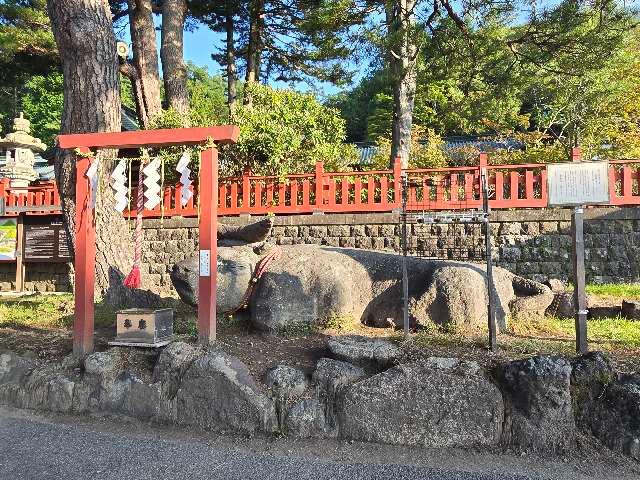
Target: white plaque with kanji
(578, 183)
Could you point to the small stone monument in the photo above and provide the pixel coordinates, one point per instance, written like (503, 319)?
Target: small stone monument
(20, 149)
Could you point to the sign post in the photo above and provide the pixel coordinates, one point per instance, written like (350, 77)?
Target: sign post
(579, 294)
(577, 184)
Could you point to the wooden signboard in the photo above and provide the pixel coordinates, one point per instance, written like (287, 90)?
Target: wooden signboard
(45, 240)
(578, 183)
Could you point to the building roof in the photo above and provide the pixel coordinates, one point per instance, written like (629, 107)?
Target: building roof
(483, 143)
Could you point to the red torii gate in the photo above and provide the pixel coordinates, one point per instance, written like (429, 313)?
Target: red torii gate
(85, 245)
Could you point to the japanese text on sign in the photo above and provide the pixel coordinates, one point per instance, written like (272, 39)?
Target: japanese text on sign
(578, 183)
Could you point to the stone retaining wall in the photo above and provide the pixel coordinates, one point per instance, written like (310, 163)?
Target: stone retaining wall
(533, 243)
(40, 277)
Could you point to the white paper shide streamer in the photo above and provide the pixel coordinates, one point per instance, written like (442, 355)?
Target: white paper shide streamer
(119, 186)
(185, 173)
(152, 184)
(92, 175)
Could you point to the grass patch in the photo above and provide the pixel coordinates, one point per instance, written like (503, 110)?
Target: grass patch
(46, 311)
(608, 332)
(615, 290)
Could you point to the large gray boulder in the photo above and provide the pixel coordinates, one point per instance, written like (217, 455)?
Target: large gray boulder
(538, 394)
(434, 403)
(310, 284)
(217, 391)
(331, 379)
(615, 416)
(366, 352)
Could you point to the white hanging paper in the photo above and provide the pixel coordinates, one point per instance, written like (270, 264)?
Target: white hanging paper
(119, 186)
(185, 173)
(152, 184)
(92, 175)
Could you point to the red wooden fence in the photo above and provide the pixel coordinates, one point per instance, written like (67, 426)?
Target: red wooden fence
(453, 188)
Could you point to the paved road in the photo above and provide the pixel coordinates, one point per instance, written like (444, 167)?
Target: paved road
(35, 449)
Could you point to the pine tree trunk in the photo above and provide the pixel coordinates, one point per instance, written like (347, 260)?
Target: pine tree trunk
(254, 48)
(145, 59)
(403, 61)
(174, 71)
(87, 46)
(231, 61)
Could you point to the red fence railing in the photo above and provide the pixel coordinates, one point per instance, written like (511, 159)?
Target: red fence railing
(39, 199)
(454, 188)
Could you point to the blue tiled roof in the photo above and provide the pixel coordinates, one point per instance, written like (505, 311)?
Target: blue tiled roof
(451, 144)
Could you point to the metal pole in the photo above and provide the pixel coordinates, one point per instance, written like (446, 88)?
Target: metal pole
(579, 295)
(491, 314)
(405, 276)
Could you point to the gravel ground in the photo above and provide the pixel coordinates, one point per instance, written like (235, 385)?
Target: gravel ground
(38, 447)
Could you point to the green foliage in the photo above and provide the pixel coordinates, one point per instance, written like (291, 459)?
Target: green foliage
(426, 148)
(285, 132)
(568, 74)
(27, 48)
(42, 105)
(207, 102)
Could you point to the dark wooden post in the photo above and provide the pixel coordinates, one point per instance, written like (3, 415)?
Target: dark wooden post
(20, 267)
(491, 311)
(579, 293)
(208, 190)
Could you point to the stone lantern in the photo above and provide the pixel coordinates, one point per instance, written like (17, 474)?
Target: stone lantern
(20, 149)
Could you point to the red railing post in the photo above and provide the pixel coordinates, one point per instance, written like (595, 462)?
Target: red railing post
(85, 260)
(576, 154)
(397, 181)
(319, 185)
(246, 190)
(482, 169)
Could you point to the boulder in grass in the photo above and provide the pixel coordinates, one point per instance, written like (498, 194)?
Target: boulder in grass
(631, 309)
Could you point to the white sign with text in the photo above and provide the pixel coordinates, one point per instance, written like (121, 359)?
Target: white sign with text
(578, 183)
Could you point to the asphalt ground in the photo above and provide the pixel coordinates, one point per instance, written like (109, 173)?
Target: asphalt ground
(37, 447)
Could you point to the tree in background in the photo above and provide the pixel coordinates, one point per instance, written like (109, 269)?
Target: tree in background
(547, 81)
(91, 104)
(27, 48)
(174, 71)
(143, 69)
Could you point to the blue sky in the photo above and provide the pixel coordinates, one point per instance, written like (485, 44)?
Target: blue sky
(201, 42)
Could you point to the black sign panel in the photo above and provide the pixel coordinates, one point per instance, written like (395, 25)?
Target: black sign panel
(45, 240)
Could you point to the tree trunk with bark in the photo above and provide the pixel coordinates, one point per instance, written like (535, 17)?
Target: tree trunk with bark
(403, 62)
(174, 71)
(145, 60)
(254, 47)
(231, 61)
(87, 46)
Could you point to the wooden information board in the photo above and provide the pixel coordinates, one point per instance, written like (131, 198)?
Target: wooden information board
(45, 240)
(578, 183)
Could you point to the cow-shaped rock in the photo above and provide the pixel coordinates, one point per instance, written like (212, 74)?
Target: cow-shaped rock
(310, 284)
